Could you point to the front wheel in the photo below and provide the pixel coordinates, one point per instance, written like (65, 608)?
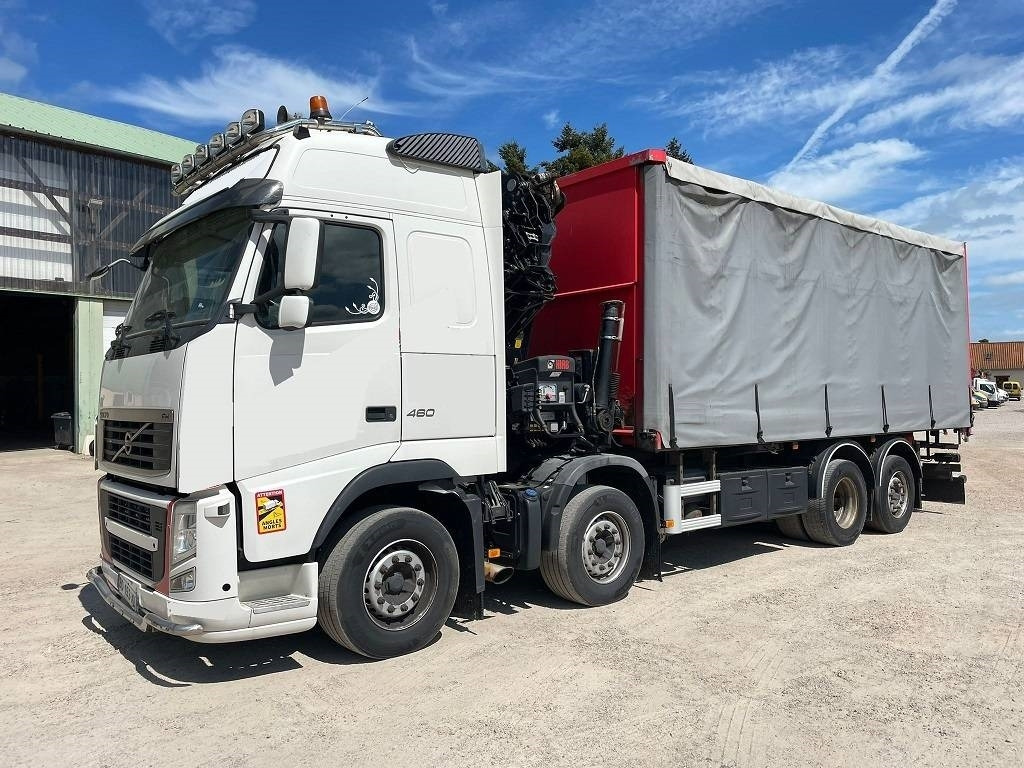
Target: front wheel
(389, 583)
(596, 554)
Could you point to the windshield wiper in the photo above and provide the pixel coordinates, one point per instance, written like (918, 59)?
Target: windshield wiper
(119, 344)
(168, 328)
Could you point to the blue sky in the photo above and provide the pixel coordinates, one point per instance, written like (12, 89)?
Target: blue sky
(909, 109)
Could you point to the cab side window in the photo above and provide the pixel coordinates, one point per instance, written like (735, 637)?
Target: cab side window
(350, 280)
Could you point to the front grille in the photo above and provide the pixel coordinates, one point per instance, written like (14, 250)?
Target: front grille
(130, 513)
(131, 556)
(139, 442)
(148, 519)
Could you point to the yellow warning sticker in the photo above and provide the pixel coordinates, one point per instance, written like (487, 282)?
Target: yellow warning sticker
(270, 512)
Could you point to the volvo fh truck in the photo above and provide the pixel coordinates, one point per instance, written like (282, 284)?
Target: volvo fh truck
(362, 378)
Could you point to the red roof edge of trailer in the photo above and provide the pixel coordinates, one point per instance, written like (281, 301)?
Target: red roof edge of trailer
(642, 157)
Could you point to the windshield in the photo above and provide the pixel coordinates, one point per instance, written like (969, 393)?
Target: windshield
(190, 272)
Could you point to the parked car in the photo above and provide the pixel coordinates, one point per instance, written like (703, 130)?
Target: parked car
(979, 399)
(1012, 389)
(990, 389)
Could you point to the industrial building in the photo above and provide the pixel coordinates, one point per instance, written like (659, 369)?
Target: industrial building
(999, 360)
(76, 191)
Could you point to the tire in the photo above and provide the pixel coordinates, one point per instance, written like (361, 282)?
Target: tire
(370, 547)
(792, 527)
(845, 486)
(894, 500)
(609, 571)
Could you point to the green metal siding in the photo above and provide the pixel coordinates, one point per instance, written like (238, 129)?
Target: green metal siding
(88, 364)
(65, 125)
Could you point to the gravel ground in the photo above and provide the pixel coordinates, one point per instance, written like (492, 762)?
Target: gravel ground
(756, 651)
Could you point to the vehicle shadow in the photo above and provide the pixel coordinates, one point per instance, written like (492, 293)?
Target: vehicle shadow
(174, 662)
(716, 547)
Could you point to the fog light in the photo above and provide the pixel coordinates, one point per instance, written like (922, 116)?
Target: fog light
(184, 582)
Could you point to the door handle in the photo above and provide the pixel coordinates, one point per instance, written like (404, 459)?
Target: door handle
(381, 413)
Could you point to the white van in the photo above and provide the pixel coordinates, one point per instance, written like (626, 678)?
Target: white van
(990, 389)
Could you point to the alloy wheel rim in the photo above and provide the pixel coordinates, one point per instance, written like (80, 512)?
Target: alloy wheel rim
(606, 545)
(898, 494)
(844, 502)
(399, 585)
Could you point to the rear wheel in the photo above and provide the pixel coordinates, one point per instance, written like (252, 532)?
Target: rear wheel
(596, 555)
(837, 518)
(389, 583)
(895, 499)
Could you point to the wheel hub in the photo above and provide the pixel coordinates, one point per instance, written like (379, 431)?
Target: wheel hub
(844, 502)
(898, 494)
(605, 546)
(394, 585)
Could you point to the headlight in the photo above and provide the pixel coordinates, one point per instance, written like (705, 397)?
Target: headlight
(183, 536)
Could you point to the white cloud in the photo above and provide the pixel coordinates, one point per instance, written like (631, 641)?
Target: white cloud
(470, 79)
(969, 92)
(806, 84)
(237, 77)
(1010, 278)
(457, 57)
(877, 81)
(551, 119)
(17, 53)
(846, 174)
(986, 211)
(182, 21)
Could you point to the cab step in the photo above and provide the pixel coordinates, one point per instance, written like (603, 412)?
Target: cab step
(281, 603)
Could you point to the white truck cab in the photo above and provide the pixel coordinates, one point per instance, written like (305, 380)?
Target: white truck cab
(394, 275)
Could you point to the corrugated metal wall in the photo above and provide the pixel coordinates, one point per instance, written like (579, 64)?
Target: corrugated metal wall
(64, 212)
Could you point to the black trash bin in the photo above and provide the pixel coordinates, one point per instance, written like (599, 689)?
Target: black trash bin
(62, 436)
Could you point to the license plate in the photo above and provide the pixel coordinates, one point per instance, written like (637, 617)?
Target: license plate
(129, 592)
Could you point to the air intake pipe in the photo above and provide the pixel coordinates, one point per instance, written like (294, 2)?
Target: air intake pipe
(606, 377)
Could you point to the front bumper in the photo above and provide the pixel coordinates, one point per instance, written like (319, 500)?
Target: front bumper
(216, 621)
(143, 619)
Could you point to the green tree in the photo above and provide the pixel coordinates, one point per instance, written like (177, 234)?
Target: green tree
(675, 149)
(513, 156)
(581, 149)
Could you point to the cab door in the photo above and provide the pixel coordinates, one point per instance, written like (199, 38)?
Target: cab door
(332, 389)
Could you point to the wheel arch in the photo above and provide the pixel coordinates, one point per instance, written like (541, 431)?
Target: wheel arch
(902, 448)
(428, 485)
(621, 472)
(846, 449)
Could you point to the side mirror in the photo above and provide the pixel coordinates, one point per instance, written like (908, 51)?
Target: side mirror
(301, 253)
(293, 312)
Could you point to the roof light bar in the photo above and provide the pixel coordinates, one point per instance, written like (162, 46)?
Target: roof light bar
(202, 154)
(188, 164)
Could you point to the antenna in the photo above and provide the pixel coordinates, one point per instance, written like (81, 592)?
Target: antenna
(353, 107)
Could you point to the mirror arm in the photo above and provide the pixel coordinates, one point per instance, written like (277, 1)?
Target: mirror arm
(237, 310)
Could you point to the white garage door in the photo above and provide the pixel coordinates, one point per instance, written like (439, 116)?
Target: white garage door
(113, 315)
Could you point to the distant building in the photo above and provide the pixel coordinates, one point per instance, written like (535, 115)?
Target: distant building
(76, 192)
(999, 360)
